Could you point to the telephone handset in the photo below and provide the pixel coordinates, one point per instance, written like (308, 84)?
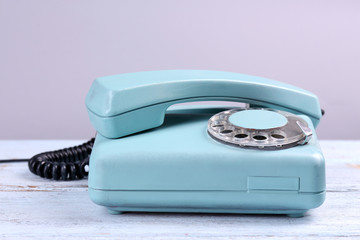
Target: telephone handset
(151, 156)
(115, 102)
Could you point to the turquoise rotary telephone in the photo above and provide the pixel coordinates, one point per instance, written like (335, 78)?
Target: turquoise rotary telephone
(152, 156)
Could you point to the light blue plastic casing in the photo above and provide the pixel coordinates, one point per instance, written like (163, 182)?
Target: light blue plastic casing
(178, 167)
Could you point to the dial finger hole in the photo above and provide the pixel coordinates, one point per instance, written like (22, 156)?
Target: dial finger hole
(226, 131)
(259, 137)
(277, 136)
(241, 135)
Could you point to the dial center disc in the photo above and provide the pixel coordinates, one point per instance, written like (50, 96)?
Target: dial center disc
(258, 119)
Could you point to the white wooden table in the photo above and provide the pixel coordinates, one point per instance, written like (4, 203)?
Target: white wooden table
(36, 208)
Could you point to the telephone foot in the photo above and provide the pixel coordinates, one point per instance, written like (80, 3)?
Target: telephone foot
(114, 212)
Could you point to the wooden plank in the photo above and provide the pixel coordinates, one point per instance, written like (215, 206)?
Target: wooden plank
(36, 208)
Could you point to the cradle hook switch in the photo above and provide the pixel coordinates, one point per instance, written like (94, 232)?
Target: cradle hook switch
(306, 131)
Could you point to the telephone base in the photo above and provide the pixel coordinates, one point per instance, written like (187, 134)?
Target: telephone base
(191, 172)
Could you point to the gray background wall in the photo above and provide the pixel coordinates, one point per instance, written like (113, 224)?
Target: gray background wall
(50, 51)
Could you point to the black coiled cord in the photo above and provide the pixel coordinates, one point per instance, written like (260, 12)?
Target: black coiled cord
(64, 164)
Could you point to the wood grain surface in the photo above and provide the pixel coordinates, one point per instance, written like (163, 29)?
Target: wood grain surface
(36, 208)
